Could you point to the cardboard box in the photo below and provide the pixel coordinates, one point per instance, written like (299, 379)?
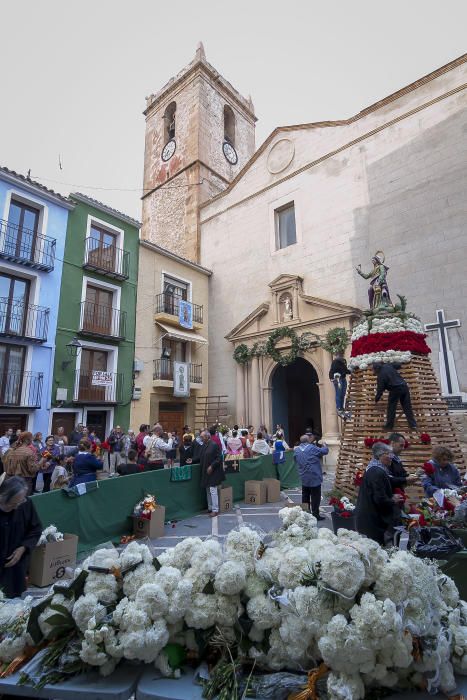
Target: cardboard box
(255, 492)
(49, 561)
(225, 499)
(273, 490)
(153, 528)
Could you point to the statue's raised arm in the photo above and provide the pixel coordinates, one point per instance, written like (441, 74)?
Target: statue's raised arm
(378, 292)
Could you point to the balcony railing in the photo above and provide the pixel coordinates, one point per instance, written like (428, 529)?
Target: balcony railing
(170, 304)
(102, 320)
(106, 259)
(164, 369)
(95, 386)
(21, 389)
(24, 246)
(20, 320)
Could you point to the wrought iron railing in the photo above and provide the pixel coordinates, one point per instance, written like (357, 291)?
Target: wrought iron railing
(102, 320)
(164, 369)
(167, 303)
(21, 320)
(25, 246)
(96, 386)
(22, 389)
(106, 259)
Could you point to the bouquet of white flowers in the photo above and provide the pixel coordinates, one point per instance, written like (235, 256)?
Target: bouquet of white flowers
(50, 534)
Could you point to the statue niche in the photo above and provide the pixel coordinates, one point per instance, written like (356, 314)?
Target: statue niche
(286, 307)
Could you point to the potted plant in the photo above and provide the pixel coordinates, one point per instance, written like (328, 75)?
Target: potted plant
(343, 512)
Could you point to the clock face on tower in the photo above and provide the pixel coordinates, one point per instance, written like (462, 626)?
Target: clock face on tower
(230, 153)
(168, 150)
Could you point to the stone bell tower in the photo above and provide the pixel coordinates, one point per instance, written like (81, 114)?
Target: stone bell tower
(200, 132)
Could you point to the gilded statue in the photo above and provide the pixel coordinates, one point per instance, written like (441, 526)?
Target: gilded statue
(378, 292)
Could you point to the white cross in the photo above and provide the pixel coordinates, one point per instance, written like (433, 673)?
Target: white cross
(449, 381)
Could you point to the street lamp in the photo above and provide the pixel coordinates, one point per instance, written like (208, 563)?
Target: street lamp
(73, 349)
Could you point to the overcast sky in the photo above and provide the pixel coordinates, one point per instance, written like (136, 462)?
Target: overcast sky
(75, 73)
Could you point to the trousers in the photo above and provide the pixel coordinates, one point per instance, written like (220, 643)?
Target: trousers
(402, 394)
(312, 495)
(213, 498)
(340, 388)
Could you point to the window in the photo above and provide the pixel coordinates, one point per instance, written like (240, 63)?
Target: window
(172, 351)
(11, 373)
(14, 293)
(174, 291)
(92, 360)
(229, 125)
(97, 317)
(169, 122)
(286, 233)
(23, 222)
(102, 248)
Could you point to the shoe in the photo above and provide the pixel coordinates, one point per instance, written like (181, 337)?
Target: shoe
(320, 517)
(209, 511)
(213, 514)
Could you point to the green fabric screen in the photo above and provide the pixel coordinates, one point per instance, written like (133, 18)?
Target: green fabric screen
(104, 514)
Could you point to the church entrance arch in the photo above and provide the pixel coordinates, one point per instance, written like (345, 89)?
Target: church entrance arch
(296, 399)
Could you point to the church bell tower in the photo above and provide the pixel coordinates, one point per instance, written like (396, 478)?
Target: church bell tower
(200, 132)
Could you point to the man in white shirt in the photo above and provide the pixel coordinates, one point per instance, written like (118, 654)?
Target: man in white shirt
(5, 441)
(156, 449)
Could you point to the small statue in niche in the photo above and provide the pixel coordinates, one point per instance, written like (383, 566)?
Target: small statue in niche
(287, 314)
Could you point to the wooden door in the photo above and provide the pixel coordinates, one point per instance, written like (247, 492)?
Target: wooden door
(91, 360)
(13, 420)
(98, 311)
(171, 420)
(102, 251)
(66, 420)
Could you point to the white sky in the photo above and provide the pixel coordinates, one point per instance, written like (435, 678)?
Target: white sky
(75, 73)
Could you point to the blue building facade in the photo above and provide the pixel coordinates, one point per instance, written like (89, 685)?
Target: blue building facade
(33, 226)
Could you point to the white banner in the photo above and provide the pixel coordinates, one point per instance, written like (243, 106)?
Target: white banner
(101, 378)
(181, 379)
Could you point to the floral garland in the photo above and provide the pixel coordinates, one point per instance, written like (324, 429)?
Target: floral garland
(243, 354)
(272, 351)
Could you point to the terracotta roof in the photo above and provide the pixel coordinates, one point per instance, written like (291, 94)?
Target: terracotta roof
(32, 183)
(79, 197)
(340, 122)
(170, 254)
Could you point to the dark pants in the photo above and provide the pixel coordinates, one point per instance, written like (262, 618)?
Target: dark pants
(152, 466)
(47, 479)
(312, 494)
(402, 394)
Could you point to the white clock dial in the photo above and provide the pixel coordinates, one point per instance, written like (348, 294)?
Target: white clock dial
(168, 150)
(230, 152)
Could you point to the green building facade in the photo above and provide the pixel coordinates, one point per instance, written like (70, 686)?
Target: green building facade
(95, 341)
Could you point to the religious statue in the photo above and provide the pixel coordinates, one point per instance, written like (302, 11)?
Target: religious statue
(288, 312)
(378, 293)
(181, 378)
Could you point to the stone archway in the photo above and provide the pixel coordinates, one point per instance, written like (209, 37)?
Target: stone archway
(295, 398)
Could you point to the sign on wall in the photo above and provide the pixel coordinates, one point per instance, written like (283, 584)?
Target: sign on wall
(101, 378)
(185, 314)
(181, 379)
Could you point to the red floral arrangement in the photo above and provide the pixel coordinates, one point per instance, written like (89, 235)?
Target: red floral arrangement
(358, 478)
(425, 438)
(428, 468)
(399, 340)
(401, 492)
(343, 506)
(105, 445)
(369, 442)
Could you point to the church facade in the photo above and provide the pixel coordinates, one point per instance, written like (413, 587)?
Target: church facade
(293, 220)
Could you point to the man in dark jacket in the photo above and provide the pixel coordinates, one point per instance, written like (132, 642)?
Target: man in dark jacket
(338, 376)
(212, 471)
(389, 379)
(375, 503)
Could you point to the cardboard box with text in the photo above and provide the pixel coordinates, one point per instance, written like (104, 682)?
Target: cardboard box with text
(255, 492)
(273, 490)
(225, 499)
(153, 528)
(49, 561)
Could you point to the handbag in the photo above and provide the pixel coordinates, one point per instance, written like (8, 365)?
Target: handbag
(182, 473)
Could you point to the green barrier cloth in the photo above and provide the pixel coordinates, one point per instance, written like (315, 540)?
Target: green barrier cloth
(104, 514)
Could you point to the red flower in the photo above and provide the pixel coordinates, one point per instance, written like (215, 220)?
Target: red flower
(447, 505)
(399, 340)
(369, 442)
(401, 492)
(425, 438)
(333, 501)
(358, 478)
(406, 445)
(345, 514)
(428, 468)
(422, 521)
(105, 445)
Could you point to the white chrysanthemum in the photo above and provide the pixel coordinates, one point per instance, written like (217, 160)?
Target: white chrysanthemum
(309, 604)
(179, 601)
(268, 566)
(373, 556)
(256, 634)
(197, 579)
(135, 553)
(86, 607)
(341, 570)
(345, 686)
(133, 580)
(152, 599)
(145, 645)
(255, 586)
(11, 647)
(168, 578)
(207, 558)
(180, 556)
(104, 558)
(449, 591)
(264, 612)
(91, 654)
(128, 616)
(228, 610)
(103, 586)
(241, 545)
(203, 611)
(293, 566)
(230, 578)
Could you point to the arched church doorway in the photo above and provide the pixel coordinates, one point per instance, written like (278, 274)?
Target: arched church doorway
(295, 399)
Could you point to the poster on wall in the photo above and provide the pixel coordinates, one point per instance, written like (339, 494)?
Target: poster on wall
(101, 378)
(185, 314)
(181, 379)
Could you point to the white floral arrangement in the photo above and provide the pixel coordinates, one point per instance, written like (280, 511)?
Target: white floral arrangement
(387, 324)
(50, 534)
(308, 596)
(348, 505)
(392, 356)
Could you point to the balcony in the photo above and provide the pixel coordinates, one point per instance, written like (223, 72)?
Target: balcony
(26, 247)
(20, 389)
(168, 309)
(102, 321)
(164, 372)
(108, 260)
(98, 387)
(23, 321)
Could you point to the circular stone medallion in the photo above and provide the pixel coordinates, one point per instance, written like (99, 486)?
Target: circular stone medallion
(280, 156)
